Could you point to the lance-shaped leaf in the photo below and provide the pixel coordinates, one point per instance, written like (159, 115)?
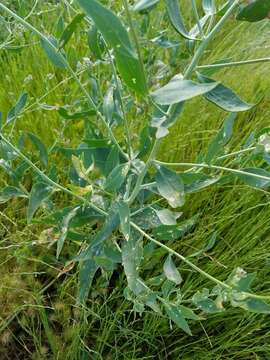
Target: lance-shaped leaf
(217, 145)
(250, 304)
(70, 29)
(255, 11)
(132, 254)
(43, 153)
(95, 42)
(124, 215)
(176, 315)
(224, 97)
(176, 18)
(39, 192)
(18, 108)
(209, 7)
(116, 36)
(141, 5)
(117, 177)
(64, 229)
(53, 55)
(179, 90)
(87, 272)
(170, 186)
(171, 271)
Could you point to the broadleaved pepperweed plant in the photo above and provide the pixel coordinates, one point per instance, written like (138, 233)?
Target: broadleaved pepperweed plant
(124, 200)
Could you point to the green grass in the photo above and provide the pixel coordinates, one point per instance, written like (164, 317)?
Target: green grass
(39, 316)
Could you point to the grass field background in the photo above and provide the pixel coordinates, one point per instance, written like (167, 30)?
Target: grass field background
(38, 312)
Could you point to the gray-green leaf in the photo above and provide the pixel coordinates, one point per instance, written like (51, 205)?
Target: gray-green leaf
(40, 147)
(18, 108)
(170, 186)
(224, 97)
(171, 271)
(177, 316)
(39, 192)
(179, 89)
(50, 47)
(116, 36)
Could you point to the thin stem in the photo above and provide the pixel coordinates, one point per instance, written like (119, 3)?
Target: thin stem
(215, 167)
(104, 213)
(197, 18)
(199, 53)
(195, 267)
(135, 38)
(69, 68)
(234, 63)
(171, 251)
(236, 153)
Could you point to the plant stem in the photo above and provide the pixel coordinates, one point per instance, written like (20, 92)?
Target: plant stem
(104, 213)
(195, 267)
(171, 251)
(199, 53)
(234, 63)
(69, 68)
(236, 153)
(215, 167)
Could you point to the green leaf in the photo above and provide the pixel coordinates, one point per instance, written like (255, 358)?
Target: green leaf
(202, 301)
(39, 192)
(254, 181)
(117, 177)
(256, 11)
(171, 271)
(217, 145)
(253, 305)
(176, 315)
(87, 272)
(163, 122)
(224, 97)
(124, 215)
(112, 160)
(53, 55)
(64, 229)
(170, 187)
(11, 192)
(167, 217)
(194, 182)
(176, 18)
(77, 115)
(132, 254)
(209, 7)
(188, 313)
(18, 108)
(116, 36)
(173, 232)
(70, 29)
(43, 153)
(95, 43)
(141, 5)
(241, 280)
(179, 90)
